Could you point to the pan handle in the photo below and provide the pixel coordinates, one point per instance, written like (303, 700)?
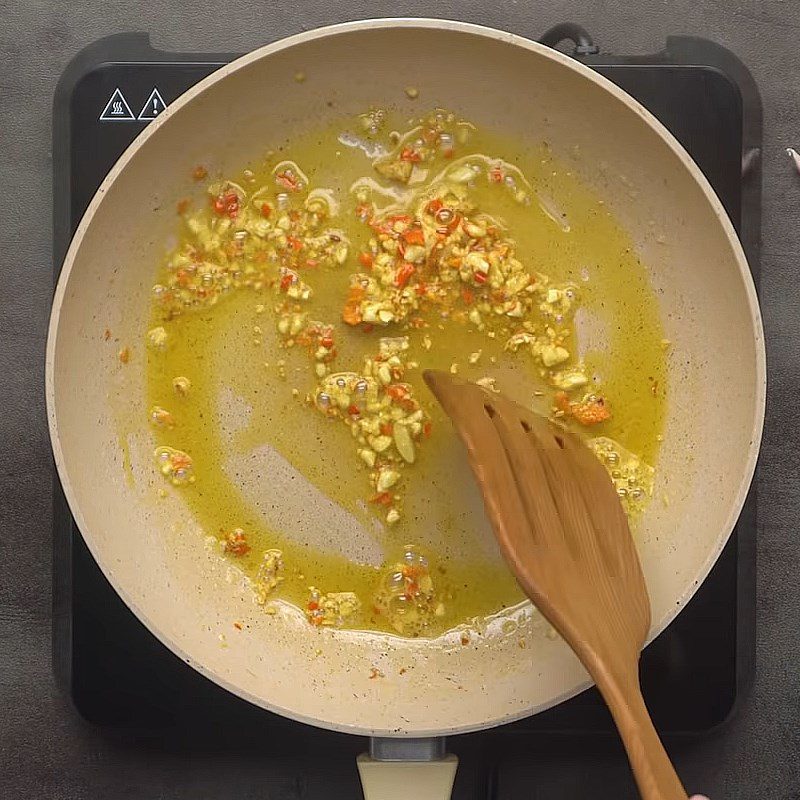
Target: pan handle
(394, 766)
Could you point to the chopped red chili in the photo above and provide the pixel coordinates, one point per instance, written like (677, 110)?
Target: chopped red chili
(226, 204)
(434, 205)
(404, 274)
(363, 211)
(409, 154)
(414, 236)
(496, 175)
(288, 180)
(396, 391)
(235, 541)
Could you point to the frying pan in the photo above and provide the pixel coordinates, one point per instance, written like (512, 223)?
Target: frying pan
(151, 551)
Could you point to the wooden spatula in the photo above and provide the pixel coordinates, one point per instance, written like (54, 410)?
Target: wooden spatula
(564, 534)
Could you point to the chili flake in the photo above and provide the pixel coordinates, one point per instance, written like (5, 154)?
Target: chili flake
(161, 418)
(331, 609)
(226, 204)
(235, 543)
(408, 154)
(407, 596)
(591, 410)
(175, 465)
(288, 180)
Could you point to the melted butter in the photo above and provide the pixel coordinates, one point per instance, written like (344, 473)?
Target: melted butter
(289, 477)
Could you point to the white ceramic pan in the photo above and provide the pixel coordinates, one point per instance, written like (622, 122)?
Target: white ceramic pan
(179, 589)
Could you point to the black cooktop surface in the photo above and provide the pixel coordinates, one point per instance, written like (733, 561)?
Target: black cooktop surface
(117, 673)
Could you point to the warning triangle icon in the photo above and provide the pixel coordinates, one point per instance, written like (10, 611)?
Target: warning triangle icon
(117, 108)
(153, 106)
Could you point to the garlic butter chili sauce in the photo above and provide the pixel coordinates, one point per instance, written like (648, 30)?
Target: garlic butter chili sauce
(291, 325)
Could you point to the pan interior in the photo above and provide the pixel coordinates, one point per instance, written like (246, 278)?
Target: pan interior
(271, 466)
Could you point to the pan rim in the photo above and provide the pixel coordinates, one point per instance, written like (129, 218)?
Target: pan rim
(456, 26)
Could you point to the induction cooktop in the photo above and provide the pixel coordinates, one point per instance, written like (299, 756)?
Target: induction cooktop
(119, 675)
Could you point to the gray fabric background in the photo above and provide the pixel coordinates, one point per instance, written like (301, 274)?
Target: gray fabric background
(46, 750)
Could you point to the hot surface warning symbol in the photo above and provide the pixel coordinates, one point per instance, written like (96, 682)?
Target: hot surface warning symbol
(117, 108)
(153, 106)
